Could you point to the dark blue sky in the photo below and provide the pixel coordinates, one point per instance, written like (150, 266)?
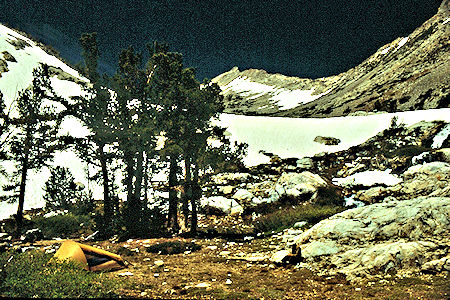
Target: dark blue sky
(299, 38)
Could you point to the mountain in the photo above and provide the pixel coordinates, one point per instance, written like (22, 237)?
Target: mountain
(410, 73)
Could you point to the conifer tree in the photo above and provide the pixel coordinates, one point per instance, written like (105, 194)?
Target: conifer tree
(135, 133)
(35, 139)
(60, 189)
(96, 113)
(165, 91)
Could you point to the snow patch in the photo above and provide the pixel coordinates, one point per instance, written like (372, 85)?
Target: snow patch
(284, 98)
(351, 202)
(402, 42)
(440, 138)
(368, 178)
(386, 50)
(248, 88)
(287, 99)
(446, 21)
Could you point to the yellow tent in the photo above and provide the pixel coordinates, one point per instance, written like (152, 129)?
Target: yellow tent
(92, 258)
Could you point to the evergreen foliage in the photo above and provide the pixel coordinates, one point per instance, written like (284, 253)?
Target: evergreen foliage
(97, 114)
(63, 193)
(60, 189)
(35, 135)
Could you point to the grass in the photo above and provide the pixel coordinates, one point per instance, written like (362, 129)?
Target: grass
(34, 274)
(287, 217)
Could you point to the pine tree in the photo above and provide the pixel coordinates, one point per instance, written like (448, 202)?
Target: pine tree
(96, 113)
(135, 133)
(60, 189)
(164, 79)
(35, 139)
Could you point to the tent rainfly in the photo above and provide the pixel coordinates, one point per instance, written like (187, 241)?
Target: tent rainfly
(92, 258)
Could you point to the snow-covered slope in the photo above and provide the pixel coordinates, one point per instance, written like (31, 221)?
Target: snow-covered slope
(18, 57)
(294, 137)
(410, 73)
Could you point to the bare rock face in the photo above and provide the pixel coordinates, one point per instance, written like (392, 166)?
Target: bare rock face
(409, 73)
(381, 237)
(428, 179)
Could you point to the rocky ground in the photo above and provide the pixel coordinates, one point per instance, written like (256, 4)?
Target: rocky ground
(224, 269)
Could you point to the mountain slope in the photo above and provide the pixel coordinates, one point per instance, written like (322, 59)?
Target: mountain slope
(409, 73)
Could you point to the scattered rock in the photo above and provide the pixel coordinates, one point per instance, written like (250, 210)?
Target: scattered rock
(436, 266)
(225, 205)
(225, 178)
(443, 154)
(327, 140)
(159, 263)
(300, 224)
(226, 190)
(296, 184)
(203, 285)
(243, 194)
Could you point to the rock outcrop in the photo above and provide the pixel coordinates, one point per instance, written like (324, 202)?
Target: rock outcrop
(382, 237)
(428, 179)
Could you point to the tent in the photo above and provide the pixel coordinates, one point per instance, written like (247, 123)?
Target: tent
(92, 258)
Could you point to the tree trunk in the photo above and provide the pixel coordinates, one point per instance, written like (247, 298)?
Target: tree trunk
(172, 222)
(196, 195)
(139, 175)
(19, 215)
(107, 203)
(132, 211)
(145, 174)
(187, 189)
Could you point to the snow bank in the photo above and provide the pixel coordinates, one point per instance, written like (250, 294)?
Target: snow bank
(368, 178)
(294, 137)
(20, 74)
(402, 42)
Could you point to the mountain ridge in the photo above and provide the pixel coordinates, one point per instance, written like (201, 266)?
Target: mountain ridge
(409, 73)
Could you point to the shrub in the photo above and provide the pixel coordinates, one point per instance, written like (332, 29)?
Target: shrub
(34, 274)
(62, 225)
(173, 247)
(287, 217)
(329, 196)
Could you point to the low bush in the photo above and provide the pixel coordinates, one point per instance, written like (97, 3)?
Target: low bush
(173, 247)
(287, 217)
(34, 274)
(63, 225)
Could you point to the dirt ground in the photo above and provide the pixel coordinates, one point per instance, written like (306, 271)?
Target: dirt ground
(224, 269)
